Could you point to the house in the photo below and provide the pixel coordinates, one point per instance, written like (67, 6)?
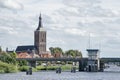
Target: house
(26, 52)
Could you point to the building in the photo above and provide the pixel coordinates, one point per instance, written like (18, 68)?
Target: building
(93, 60)
(39, 48)
(26, 48)
(28, 51)
(40, 37)
(23, 55)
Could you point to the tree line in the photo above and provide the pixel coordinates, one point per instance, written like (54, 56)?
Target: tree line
(8, 61)
(68, 53)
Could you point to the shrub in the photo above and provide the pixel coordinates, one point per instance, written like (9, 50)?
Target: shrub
(66, 67)
(46, 68)
(34, 70)
(7, 68)
(23, 68)
(51, 67)
(39, 62)
(63, 63)
(70, 62)
(2, 71)
(22, 63)
(40, 68)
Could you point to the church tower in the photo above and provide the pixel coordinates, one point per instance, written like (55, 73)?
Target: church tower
(40, 37)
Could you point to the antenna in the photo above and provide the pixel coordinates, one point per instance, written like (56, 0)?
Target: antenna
(89, 41)
(99, 44)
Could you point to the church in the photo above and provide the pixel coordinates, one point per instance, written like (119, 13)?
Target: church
(39, 48)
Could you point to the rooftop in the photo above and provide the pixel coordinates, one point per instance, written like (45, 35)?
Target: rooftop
(25, 48)
(92, 50)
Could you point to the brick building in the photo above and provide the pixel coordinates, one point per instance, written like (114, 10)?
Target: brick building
(39, 48)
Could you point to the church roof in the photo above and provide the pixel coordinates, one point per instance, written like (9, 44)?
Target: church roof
(40, 23)
(25, 48)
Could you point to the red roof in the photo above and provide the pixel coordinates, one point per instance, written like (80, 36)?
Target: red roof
(23, 55)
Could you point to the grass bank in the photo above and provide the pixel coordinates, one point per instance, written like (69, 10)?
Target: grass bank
(7, 68)
(25, 68)
(10, 68)
(63, 67)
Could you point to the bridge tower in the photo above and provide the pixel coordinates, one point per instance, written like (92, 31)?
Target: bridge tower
(93, 64)
(40, 37)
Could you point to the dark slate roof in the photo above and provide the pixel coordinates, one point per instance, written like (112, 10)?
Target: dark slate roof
(92, 49)
(40, 23)
(25, 48)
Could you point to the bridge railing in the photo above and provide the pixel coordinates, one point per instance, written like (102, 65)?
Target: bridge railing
(105, 60)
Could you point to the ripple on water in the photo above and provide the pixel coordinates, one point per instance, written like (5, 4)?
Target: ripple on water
(63, 76)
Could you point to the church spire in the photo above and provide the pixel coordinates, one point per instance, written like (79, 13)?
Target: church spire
(40, 22)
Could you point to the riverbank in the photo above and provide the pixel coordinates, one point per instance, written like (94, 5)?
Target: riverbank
(10, 68)
(63, 67)
(43, 68)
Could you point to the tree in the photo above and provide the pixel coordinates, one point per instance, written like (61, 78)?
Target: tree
(22, 63)
(73, 53)
(51, 50)
(56, 50)
(8, 58)
(70, 53)
(13, 55)
(0, 49)
(78, 53)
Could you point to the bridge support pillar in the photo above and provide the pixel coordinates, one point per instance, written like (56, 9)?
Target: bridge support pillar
(93, 66)
(32, 63)
(101, 66)
(82, 65)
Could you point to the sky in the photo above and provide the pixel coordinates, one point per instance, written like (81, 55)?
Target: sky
(70, 24)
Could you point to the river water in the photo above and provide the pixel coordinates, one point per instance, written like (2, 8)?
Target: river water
(63, 76)
(113, 74)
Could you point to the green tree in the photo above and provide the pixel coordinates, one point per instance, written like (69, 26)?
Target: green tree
(56, 50)
(0, 49)
(13, 55)
(70, 53)
(22, 63)
(8, 58)
(7, 68)
(78, 53)
(51, 50)
(73, 53)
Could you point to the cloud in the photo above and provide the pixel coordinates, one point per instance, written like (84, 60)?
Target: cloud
(75, 31)
(79, 3)
(85, 8)
(11, 4)
(55, 41)
(81, 17)
(68, 24)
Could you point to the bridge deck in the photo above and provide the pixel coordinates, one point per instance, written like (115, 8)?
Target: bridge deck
(52, 59)
(105, 60)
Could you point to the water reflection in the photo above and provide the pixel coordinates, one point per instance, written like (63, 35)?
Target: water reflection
(112, 68)
(51, 75)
